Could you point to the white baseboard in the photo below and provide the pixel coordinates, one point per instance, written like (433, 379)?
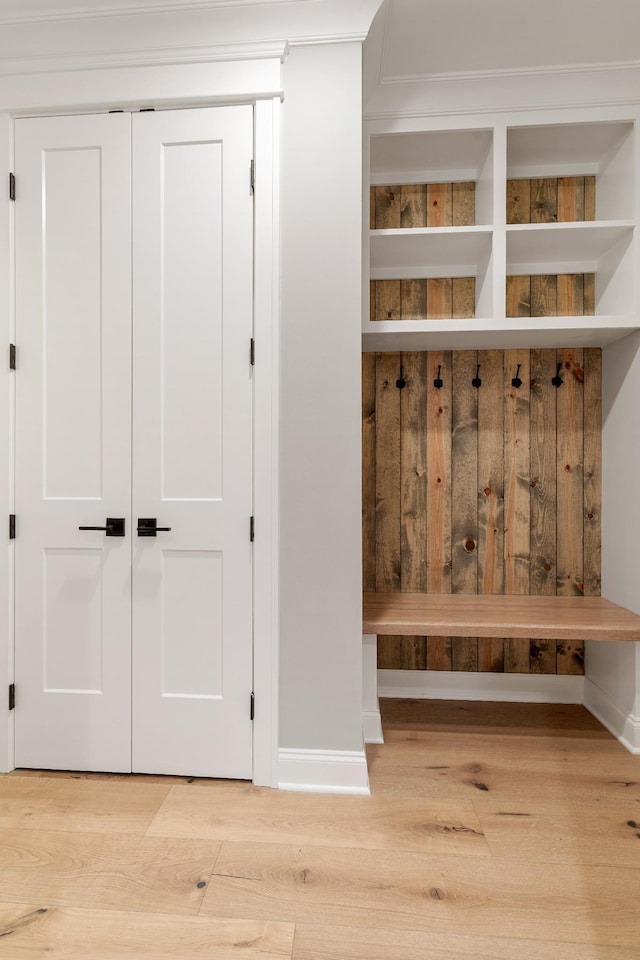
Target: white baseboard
(624, 726)
(323, 771)
(372, 726)
(505, 687)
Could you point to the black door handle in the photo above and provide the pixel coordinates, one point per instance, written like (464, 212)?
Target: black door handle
(147, 527)
(114, 527)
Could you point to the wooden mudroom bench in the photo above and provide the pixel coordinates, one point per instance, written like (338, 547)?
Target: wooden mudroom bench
(537, 618)
(459, 615)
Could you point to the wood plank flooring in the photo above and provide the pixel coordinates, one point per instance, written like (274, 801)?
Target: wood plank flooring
(494, 831)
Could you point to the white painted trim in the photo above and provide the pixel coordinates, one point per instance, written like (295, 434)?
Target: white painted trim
(501, 687)
(163, 56)
(528, 91)
(323, 771)
(107, 11)
(372, 726)
(512, 73)
(266, 441)
(371, 721)
(624, 726)
(7, 406)
(173, 86)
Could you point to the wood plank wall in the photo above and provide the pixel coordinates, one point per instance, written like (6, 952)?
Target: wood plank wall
(551, 200)
(493, 489)
(408, 206)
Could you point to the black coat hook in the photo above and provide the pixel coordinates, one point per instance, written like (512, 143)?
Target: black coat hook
(517, 382)
(557, 381)
(477, 382)
(438, 383)
(401, 382)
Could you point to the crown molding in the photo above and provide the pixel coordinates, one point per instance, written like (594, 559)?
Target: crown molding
(42, 11)
(502, 92)
(204, 53)
(511, 73)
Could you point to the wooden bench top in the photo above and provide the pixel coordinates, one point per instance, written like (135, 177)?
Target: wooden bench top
(537, 618)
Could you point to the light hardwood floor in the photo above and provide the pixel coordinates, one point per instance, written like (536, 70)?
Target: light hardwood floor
(494, 832)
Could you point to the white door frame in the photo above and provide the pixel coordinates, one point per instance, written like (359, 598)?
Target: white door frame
(241, 80)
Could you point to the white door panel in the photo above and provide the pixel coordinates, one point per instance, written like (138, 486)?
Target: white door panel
(73, 464)
(193, 271)
(135, 652)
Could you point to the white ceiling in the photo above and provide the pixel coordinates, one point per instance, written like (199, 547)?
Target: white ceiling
(416, 39)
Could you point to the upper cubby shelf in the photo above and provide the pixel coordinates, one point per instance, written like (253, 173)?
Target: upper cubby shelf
(601, 150)
(438, 157)
(428, 251)
(563, 247)
(510, 234)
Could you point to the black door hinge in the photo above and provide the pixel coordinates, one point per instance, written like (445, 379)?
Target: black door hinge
(252, 176)
(252, 353)
(252, 529)
(12, 696)
(12, 186)
(12, 526)
(253, 705)
(12, 356)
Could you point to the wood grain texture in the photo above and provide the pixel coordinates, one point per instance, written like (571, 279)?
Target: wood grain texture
(438, 429)
(328, 942)
(83, 806)
(491, 498)
(551, 199)
(30, 932)
(413, 300)
(413, 205)
(544, 295)
(542, 575)
(589, 294)
(369, 471)
(91, 870)
(517, 494)
(570, 295)
(387, 480)
(439, 204)
(570, 487)
(463, 204)
(305, 884)
(511, 438)
(435, 299)
(388, 207)
(590, 198)
(544, 200)
(464, 494)
(412, 651)
(592, 539)
(439, 298)
(463, 297)
(518, 201)
(548, 831)
(243, 812)
(387, 300)
(563, 617)
(518, 296)
(387, 472)
(570, 199)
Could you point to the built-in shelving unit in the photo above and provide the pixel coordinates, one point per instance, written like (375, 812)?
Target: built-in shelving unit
(555, 199)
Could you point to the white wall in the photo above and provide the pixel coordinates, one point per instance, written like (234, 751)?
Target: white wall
(321, 619)
(613, 670)
(195, 57)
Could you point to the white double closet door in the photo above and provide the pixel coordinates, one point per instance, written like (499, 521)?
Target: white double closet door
(134, 402)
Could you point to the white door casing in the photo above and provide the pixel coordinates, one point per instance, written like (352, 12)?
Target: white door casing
(73, 442)
(192, 415)
(192, 423)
